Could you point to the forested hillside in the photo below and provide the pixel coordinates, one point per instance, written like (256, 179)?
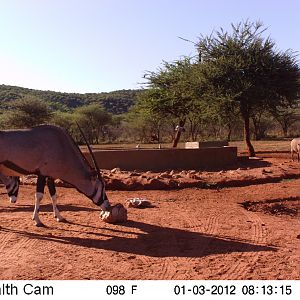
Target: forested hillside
(116, 102)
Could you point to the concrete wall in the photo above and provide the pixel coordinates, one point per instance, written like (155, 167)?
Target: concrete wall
(166, 159)
(207, 144)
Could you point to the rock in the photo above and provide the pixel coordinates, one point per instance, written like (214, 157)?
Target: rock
(173, 184)
(165, 175)
(117, 214)
(115, 170)
(134, 174)
(156, 184)
(176, 176)
(116, 184)
(191, 172)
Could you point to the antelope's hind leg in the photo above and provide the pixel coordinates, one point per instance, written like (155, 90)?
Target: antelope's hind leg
(40, 186)
(13, 189)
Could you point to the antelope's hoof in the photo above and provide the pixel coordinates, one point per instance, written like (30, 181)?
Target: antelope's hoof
(61, 219)
(39, 224)
(12, 199)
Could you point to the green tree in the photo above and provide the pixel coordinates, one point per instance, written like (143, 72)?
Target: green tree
(144, 123)
(261, 123)
(286, 117)
(93, 119)
(115, 129)
(65, 120)
(174, 90)
(26, 112)
(245, 67)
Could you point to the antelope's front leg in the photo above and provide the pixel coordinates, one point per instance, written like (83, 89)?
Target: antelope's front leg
(52, 192)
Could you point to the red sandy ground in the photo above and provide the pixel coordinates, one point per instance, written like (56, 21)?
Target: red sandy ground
(240, 223)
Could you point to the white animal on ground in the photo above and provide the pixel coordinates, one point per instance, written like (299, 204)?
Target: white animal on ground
(295, 148)
(49, 151)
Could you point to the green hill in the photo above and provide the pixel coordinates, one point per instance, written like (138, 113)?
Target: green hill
(116, 102)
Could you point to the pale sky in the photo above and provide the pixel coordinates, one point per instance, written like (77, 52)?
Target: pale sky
(105, 45)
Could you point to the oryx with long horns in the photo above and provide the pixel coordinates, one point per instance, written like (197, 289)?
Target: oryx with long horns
(49, 151)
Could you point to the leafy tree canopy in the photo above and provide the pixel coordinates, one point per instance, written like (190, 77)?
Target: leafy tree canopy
(245, 67)
(173, 88)
(93, 118)
(26, 112)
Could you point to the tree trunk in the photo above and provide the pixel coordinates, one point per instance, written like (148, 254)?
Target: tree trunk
(158, 135)
(285, 130)
(229, 132)
(255, 126)
(177, 138)
(178, 133)
(251, 151)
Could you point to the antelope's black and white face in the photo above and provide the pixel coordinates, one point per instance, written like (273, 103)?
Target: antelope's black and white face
(99, 195)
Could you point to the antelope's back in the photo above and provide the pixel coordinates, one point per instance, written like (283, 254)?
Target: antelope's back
(36, 148)
(30, 140)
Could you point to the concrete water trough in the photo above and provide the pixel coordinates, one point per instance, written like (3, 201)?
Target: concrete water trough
(166, 159)
(205, 144)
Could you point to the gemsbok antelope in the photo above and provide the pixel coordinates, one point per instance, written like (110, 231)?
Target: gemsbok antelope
(295, 148)
(49, 152)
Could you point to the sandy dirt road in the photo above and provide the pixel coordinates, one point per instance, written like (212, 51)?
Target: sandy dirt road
(249, 232)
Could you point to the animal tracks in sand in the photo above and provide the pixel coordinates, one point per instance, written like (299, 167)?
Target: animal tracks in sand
(241, 268)
(190, 234)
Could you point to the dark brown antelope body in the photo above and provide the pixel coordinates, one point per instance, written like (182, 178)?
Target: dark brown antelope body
(49, 151)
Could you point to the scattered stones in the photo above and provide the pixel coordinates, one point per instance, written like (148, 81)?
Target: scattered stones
(172, 179)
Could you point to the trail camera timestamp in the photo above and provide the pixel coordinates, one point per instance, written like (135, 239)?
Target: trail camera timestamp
(239, 290)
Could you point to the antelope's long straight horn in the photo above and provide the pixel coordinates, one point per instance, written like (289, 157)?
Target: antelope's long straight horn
(91, 152)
